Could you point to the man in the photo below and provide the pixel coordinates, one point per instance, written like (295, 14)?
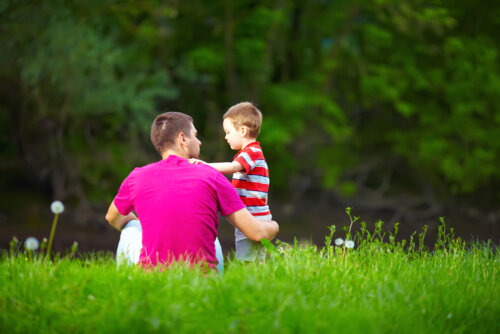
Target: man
(177, 202)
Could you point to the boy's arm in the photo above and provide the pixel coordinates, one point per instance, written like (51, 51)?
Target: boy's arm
(254, 229)
(227, 167)
(223, 167)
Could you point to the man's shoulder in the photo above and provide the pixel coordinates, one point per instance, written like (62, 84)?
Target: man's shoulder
(145, 168)
(206, 169)
(210, 175)
(143, 171)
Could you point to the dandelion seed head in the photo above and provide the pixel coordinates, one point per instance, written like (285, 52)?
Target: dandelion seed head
(31, 244)
(57, 207)
(339, 241)
(349, 244)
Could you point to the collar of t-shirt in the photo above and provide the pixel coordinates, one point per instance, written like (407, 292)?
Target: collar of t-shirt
(174, 160)
(254, 143)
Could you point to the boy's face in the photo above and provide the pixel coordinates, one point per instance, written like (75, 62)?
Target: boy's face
(234, 137)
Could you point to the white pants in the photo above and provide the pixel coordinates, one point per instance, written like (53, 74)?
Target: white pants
(246, 249)
(130, 245)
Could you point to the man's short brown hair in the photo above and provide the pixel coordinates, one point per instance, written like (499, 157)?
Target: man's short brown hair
(167, 126)
(245, 114)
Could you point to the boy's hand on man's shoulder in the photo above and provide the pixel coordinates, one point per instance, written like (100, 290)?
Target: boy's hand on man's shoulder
(196, 161)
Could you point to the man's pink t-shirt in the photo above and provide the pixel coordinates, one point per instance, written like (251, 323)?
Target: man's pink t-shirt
(177, 204)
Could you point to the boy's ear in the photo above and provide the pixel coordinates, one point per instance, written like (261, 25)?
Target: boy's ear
(244, 131)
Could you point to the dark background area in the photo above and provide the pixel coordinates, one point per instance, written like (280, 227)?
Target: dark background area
(389, 107)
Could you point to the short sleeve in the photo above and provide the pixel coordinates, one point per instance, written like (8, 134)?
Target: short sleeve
(124, 200)
(246, 160)
(228, 200)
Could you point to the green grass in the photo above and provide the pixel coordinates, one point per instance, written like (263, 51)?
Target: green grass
(380, 286)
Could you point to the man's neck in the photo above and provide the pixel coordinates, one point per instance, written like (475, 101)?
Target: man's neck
(168, 153)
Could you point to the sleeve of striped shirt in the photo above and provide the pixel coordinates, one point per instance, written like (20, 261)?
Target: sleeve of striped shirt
(246, 159)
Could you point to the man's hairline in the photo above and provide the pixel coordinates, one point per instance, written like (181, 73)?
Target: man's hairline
(191, 121)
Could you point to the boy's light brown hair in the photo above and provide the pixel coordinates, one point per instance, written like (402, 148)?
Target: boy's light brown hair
(245, 114)
(167, 126)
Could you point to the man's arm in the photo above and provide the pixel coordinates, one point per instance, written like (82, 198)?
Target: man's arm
(254, 229)
(116, 219)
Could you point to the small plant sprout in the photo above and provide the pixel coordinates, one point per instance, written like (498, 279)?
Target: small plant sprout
(74, 248)
(56, 207)
(43, 245)
(349, 244)
(13, 246)
(352, 221)
(329, 237)
(339, 241)
(31, 244)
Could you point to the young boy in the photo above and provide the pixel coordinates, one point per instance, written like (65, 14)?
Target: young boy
(241, 124)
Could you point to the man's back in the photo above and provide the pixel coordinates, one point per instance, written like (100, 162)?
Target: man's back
(177, 204)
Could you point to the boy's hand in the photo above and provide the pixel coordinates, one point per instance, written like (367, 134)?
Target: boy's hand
(196, 161)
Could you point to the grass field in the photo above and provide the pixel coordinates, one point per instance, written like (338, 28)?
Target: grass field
(379, 286)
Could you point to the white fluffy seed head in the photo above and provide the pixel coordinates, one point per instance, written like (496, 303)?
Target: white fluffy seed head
(31, 244)
(349, 244)
(57, 207)
(339, 241)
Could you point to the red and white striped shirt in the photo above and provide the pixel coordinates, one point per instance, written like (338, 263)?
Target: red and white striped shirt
(252, 184)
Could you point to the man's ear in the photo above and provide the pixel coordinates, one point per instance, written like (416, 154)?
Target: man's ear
(181, 138)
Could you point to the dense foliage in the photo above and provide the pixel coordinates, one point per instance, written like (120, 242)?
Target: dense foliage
(392, 103)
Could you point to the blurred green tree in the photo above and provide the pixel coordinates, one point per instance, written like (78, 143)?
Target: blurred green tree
(384, 104)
